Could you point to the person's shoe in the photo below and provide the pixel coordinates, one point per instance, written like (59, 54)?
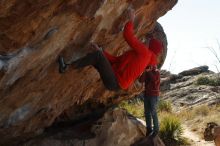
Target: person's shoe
(148, 133)
(154, 134)
(62, 65)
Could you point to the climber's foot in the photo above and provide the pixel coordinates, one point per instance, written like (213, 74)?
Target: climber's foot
(149, 132)
(154, 134)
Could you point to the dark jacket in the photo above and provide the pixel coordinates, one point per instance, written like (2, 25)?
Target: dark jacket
(152, 82)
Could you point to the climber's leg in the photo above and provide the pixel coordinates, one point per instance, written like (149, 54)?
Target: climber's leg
(99, 61)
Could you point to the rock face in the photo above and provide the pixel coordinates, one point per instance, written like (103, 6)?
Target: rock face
(32, 35)
(114, 128)
(212, 132)
(149, 141)
(183, 92)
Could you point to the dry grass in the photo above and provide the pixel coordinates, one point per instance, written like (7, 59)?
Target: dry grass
(198, 117)
(170, 123)
(164, 106)
(135, 108)
(202, 110)
(195, 118)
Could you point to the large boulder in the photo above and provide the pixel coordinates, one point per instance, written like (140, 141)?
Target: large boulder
(212, 132)
(34, 33)
(184, 92)
(114, 128)
(195, 71)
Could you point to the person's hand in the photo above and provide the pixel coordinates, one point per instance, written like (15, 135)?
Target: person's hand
(131, 14)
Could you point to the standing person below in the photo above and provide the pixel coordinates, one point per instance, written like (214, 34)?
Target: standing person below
(151, 79)
(119, 72)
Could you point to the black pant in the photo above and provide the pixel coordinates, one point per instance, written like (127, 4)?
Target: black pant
(103, 66)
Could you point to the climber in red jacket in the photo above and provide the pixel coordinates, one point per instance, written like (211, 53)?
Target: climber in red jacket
(121, 71)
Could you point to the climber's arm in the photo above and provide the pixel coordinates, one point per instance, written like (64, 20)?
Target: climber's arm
(131, 39)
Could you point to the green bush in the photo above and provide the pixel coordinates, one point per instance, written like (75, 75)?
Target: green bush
(170, 129)
(202, 81)
(217, 81)
(164, 106)
(208, 81)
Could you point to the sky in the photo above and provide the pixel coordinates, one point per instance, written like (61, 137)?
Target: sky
(193, 29)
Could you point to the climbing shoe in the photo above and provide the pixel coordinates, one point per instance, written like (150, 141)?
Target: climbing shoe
(154, 134)
(149, 133)
(62, 65)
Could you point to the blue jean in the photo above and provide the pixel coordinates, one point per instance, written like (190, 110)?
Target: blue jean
(150, 110)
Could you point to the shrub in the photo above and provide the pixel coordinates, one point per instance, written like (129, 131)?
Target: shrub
(202, 81)
(208, 81)
(164, 106)
(170, 129)
(217, 81)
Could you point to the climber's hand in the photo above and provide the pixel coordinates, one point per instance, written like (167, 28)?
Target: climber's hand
(131, 14)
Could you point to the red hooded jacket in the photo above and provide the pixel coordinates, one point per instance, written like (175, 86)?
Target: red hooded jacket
(130, 65)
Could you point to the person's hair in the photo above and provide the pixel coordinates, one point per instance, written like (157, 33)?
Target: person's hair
(148, 67)
(152, 67)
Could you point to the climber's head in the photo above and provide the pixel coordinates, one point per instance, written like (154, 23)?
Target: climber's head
(155, 46)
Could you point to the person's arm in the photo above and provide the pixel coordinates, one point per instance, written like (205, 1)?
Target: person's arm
(131, 39)
(142, 77)
(129, 36)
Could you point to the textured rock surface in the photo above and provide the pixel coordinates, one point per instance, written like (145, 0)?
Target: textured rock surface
(183, 92)
(32, 35)
(149, 141)
(114, 128)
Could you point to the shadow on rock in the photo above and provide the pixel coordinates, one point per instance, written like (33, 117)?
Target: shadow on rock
(149, 141)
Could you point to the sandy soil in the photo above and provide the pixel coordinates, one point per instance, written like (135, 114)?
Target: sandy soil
(195, 139)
